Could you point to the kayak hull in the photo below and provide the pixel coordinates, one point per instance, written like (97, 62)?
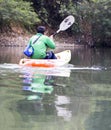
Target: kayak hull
(63, 58)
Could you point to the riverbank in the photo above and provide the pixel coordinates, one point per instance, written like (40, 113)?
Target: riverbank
(21, 40)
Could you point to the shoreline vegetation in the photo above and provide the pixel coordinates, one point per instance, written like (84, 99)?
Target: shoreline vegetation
(92, 27)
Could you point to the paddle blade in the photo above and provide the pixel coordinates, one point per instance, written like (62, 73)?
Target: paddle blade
(66, 23)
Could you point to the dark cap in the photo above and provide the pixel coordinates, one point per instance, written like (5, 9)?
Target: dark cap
(41, 29)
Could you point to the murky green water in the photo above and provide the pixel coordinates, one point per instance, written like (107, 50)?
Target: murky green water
(74, 97)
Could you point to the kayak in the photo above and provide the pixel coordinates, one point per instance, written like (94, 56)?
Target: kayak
(63, 58)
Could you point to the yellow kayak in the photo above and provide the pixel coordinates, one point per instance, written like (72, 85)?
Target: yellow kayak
(63, 58)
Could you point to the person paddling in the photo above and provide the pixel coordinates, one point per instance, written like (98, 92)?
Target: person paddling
(41, 43)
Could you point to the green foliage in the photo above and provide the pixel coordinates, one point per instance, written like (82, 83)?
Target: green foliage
(93, 17)
(101, 27)
(14, 11)
(47, 11)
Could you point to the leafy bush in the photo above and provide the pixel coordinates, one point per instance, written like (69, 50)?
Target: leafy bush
(93, 20)
(93, 17)
(14, 11)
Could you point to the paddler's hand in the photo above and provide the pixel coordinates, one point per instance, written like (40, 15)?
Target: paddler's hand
(52, 37)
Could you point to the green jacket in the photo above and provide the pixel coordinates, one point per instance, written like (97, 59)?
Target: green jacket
(41, 45)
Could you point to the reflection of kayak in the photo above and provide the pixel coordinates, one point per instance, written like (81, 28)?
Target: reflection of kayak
(39, 89)
(62, 59)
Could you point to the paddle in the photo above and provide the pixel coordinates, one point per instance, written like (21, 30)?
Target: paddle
(65, 24)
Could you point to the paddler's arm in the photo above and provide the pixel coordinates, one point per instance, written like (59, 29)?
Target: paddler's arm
(50, 43)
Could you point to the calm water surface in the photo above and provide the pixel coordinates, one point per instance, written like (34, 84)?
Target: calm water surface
(74, 97)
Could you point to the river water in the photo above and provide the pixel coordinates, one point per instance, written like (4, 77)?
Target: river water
(73, 97)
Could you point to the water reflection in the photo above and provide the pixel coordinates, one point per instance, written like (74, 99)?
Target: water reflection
(77, 99)
(81, 56)
(91, 57)
(100, 119)
(11, 54)
(39, 89)
(39, 84)
(63, 111)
